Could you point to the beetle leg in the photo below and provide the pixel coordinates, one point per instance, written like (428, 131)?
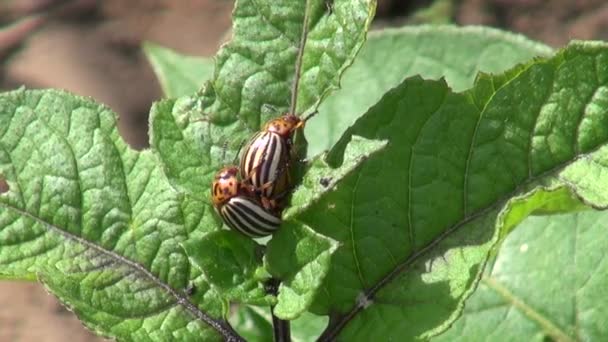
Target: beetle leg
(270, 108)
(280, 196)
(266, 186)
(248, 190)
(269, 204)
(278, 173)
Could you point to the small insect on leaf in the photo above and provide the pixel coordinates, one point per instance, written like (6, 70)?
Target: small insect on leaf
(329, 4)
(190, 289)
(271, 286)
(3, 185)
(325, 181)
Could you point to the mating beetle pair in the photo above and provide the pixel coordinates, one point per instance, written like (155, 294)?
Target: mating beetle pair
(252, 205)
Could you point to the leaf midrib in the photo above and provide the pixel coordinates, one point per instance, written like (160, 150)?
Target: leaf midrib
(352, 231)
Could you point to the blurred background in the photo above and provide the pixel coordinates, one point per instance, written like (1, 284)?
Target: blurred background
(93, 48)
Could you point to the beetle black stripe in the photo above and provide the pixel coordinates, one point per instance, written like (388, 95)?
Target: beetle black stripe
(265, 220)
(249, 217)
(237, 224)
(254, 222)
(250, 155)
(234, 223)
(251, 161)
(253, 227)
(270, 162)
(279, 166)
(261, 164)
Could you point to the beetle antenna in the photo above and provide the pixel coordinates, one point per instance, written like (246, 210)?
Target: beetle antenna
(237, 152)
(224, 149)
(296, 80)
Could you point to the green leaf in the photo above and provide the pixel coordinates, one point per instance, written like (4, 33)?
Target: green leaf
(232, 263)
(300, 258)
(548, 281)
(321, 177)
(257, 66)
(255, 324)
(456, 54)
(191, 153)
(308, 327)
(98, 224)
(422, 215)
(255, 69)
(178, 74)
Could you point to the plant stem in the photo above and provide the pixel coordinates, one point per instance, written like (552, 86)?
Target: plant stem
(280, 328)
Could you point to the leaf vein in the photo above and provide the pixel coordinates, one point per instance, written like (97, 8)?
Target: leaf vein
(351, 230)
(411, 232)
(549, 327)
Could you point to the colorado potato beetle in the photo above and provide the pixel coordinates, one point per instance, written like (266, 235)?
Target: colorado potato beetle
(267, 157)
(239, 207)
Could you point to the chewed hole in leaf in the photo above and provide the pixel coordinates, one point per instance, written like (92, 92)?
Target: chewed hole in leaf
(4, 187)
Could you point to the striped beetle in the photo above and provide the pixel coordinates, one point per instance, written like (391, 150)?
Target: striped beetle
(239, 207)
(267, 158)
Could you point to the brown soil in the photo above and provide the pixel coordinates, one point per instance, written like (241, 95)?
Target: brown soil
(92, 48)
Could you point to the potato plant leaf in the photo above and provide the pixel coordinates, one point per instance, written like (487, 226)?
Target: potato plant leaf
(565, 255)
(424, 213)
(98, 223)
(178, 74)
(321, 177)
(257, 67)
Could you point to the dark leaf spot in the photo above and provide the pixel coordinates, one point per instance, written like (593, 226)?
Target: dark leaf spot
(3, 185)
